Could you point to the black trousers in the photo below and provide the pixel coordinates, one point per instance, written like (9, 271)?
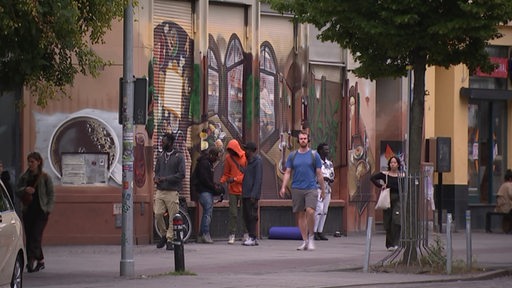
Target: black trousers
(34, 221)
(250, 214)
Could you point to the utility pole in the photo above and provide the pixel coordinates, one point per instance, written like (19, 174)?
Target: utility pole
(127, 263)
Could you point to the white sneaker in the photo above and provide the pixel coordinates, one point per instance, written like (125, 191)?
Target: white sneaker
(303, 247)
(207, 239)
(250, 242)
(246, 237)
(311, 245)
(231, 239)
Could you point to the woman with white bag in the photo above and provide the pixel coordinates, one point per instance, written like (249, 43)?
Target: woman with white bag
(391, 179)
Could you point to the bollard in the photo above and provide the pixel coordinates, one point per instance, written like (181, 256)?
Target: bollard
(469, 257)
(179, 256)
(368, 246)
(449, 252)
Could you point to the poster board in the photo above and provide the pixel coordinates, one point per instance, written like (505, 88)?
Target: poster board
(84, 168)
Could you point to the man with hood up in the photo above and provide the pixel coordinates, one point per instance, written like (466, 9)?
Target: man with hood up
(234, 165)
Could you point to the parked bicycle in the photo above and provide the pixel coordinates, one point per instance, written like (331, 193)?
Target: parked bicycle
(187, 222)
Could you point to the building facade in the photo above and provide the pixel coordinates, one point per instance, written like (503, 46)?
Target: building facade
(222, 70)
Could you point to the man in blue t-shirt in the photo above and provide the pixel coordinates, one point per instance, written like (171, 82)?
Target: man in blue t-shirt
(306, 168)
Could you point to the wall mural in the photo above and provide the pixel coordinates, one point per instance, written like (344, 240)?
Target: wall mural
(85, 131)
(171, 85)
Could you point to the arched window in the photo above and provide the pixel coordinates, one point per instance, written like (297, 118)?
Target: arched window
(269, 94)
(234, 72)
(214, 69)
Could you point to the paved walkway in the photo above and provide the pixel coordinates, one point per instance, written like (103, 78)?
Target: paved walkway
(274, 263)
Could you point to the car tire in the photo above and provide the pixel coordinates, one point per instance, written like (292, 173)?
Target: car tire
(17, 273)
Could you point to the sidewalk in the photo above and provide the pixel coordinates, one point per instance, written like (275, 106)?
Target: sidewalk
(274, 263)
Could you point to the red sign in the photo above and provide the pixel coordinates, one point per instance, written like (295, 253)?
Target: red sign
(500, 72)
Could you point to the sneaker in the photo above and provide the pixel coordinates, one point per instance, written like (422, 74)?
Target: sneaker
(161, 243)
(250, 242)
(303, 247)
(311, 245)
(321, 236)
(169, 246)
(231, 239)
(317, 236)
(245, 237)
(207, 239)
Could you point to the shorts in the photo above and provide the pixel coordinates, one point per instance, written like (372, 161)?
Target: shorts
(302, 199)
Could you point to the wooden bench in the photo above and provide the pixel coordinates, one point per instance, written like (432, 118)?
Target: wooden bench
(488, 217)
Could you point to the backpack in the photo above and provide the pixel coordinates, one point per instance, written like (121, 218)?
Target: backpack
(313, 159)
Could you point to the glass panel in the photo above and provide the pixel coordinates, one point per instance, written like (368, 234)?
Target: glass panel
(267, 107)
(486, 149)
(473, 179)
(213, 84)
(235, 97)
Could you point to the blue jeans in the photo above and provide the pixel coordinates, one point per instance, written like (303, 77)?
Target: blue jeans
(206, 201)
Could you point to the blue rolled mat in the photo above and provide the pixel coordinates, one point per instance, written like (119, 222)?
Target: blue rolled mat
(283, 232)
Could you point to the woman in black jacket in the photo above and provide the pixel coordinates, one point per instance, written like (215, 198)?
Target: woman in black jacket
(392, 179)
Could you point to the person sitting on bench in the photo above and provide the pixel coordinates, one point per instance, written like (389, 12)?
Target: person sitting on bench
(504, 202)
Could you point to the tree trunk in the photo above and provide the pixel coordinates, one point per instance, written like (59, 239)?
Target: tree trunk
(416, 118)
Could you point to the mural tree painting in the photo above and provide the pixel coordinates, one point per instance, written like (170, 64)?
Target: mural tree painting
(45, 44)
(388, 37)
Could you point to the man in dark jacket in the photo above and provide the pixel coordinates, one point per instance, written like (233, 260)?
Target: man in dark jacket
(169, 175)
(206, 187)
(251, 192)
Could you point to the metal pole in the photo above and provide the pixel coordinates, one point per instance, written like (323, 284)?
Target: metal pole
(449, 251)
(368, 244)
(468, 241)
(127, 263)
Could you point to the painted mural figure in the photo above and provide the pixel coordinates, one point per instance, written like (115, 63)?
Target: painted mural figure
(234, 166)
(35, 188)
(169, 175)
(306, 168)
(322, 205)
(393, 179)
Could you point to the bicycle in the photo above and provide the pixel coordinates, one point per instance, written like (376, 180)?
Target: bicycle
(187, 222)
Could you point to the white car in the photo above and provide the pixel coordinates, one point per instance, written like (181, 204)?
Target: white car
(12, 243)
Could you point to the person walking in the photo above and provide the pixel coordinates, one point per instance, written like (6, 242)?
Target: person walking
(504, 202)
(206, 188)
(393, 179)
(169, 175)
(305, 166)
(322, 205)
(234, 165)
(251, 192)
(35, 187)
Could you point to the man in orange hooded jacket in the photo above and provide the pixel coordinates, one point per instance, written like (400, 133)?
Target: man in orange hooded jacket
(234, 165)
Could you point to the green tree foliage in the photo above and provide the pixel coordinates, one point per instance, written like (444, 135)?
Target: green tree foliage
(388, 37)
(46, 43)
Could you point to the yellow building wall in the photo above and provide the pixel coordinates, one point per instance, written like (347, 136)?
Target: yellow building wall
(451, 119)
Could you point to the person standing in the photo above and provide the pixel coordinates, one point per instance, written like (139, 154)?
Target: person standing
(504, 202)
(251, 192)
(35, 187)
(304, 166)
(206, 188)
(392, 179)
(169, 175)
(234, 165)
(322, 205)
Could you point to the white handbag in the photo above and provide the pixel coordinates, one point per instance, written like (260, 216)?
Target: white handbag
(384, 201)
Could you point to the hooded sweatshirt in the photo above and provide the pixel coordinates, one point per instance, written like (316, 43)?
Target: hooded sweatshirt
(232, 170)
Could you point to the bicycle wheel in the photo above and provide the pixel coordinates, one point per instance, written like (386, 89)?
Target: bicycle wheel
(187, 223)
